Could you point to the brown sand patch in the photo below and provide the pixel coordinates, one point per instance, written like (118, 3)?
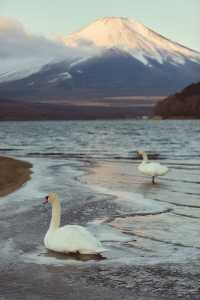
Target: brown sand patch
(13, 174)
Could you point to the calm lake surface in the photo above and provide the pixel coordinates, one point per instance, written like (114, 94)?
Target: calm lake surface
(101, 139)
(92, 165)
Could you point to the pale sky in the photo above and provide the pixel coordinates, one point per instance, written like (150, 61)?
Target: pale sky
(178, 20)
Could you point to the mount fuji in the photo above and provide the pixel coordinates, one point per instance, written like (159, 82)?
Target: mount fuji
(114, 57)
(133, 38)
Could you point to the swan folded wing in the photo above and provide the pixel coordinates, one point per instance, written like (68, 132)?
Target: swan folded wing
(74, 238)
(153, 169)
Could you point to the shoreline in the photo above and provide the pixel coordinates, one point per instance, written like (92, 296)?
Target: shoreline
(13, 174)
(66, 110)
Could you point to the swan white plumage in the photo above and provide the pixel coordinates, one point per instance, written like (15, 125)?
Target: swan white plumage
(153, 169)
(69, 238)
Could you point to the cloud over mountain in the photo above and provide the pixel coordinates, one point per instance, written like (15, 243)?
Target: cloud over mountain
(16, 42)
(23, 52)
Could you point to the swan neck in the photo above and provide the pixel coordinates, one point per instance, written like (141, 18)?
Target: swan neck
(55, 217)
(145, 157)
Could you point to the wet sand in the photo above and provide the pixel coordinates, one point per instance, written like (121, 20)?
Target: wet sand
(13, 174)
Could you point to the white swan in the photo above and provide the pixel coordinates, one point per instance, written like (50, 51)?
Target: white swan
(153, 169)
(69, 238)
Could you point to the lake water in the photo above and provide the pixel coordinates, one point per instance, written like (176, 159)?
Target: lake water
(151, 231)
(92, 165)
(100, 139)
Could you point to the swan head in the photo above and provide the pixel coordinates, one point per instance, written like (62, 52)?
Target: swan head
(140, 152)
(51, 198)
(143, 154)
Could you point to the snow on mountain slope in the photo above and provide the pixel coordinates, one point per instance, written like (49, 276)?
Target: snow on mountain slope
(132, 37)
(18, 69)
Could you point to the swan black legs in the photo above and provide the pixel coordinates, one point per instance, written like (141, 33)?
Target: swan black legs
(153, 179)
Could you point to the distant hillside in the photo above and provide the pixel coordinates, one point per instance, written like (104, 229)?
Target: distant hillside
(185, 104)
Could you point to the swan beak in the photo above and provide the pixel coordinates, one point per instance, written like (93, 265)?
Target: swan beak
(45, 200)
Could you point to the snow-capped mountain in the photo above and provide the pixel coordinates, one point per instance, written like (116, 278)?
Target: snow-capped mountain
(111, 56)
(133, 38)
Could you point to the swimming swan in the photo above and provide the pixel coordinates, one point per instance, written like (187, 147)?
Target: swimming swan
(69, 238)
(153, 169)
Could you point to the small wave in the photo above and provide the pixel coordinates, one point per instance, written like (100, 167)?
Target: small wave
(160, 240)
(9, 149)
(177, 204)
(142, 214)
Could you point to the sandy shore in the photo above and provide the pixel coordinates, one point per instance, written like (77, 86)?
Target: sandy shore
(13, 174)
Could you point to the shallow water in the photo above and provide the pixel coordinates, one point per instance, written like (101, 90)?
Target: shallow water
(93, 167)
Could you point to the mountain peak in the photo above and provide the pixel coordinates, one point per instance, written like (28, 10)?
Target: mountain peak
(115, 21)
(122, 24)
(130, 36)
(108, 32)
